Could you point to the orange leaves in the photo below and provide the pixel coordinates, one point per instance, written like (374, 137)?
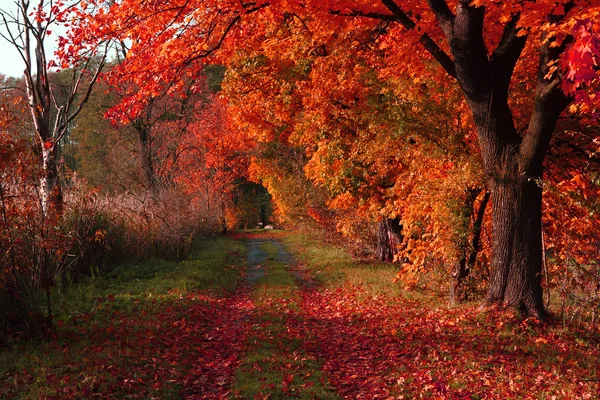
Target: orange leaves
(168, 35)
(349, 113)
(213, 150)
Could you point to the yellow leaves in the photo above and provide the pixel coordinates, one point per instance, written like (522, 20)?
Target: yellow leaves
(408, 274)
(573, 108)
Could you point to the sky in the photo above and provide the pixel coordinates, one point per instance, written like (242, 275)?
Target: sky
(11, 63)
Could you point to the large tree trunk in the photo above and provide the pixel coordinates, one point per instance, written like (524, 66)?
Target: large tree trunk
(389, 238)
(517, 245)
(512, 158)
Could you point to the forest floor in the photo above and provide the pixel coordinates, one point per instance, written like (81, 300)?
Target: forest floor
(274, 316)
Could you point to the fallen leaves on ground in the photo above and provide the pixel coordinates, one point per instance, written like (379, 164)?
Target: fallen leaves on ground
(184, 343)
(305, 339)
(374, 348)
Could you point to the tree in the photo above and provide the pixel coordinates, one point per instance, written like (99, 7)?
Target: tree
(379, 153)
(27, 29)
(513, 159)
(544, 47)
(214, 157)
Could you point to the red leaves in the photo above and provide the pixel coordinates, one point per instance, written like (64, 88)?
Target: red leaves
(285, 385)
(581, 60)
(218, 358)
(377, 348)
(191, 345)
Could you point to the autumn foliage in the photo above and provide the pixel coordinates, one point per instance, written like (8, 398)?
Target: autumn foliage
(451, 147)
(458, 139)
(419, 112)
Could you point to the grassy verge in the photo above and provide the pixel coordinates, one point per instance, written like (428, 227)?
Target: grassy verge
(128, 333)
(275, 366)
(334, 266)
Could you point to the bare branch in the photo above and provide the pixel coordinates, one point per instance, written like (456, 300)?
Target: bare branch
(89, 89)
(205, 53)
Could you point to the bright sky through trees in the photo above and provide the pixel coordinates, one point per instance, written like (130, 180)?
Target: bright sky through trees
(11, 64)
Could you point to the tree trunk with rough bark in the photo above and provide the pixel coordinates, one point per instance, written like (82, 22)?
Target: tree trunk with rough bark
(512, 158)
(50, 189)
(389, 238)
(517, 256)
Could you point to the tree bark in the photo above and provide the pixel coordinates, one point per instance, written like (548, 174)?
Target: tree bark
(389, 238)
(50, 189)
(513, 159)
(517, 251)
(146, 157)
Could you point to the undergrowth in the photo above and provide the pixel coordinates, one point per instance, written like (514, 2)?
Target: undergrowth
(127, 331)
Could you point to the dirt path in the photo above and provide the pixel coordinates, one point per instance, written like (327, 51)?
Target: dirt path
(166, 330)
(275, 364)
(305, 343)
(284, 336)
(255, 348)
(256, 257)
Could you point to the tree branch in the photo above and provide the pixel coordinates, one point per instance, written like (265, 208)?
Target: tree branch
(372, 15)
(443, 15)
(505, 56)
(470, 53)
(205, 53)
(430, 45)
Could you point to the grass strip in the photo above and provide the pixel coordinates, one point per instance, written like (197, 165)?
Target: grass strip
(276, 366)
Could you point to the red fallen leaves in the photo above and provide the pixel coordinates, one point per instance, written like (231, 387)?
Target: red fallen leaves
(369, 348)
(375, 349)
(212, 372)
(191, 341)
(287, 380)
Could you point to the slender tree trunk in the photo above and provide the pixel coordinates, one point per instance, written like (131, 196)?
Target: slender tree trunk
(389, 238)
(223, 219)
(146, 158)
(470, 251)
(477, 226)
(50, 189)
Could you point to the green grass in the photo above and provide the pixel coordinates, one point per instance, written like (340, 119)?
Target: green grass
(117, 311)
(275, 364)
(334, 266)
(127, 326)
